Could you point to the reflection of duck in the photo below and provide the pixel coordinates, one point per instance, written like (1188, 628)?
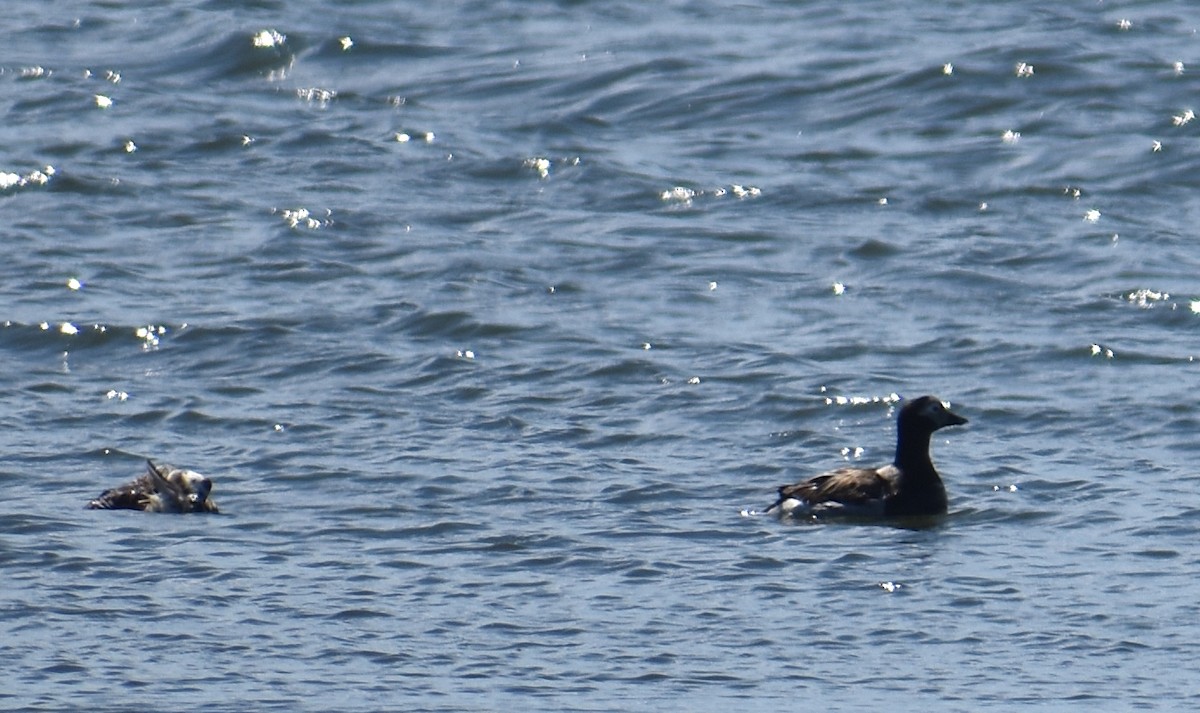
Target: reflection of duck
(909, 486)
(163, 488)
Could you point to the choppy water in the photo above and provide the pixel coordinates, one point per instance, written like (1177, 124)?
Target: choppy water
(483, 406)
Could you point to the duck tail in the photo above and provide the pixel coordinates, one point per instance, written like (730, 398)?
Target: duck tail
(775, 507)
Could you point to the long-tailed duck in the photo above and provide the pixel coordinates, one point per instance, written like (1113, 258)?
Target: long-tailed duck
(909, 486)
(163, 488)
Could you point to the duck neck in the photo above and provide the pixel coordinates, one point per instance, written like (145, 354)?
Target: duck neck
(912, 451)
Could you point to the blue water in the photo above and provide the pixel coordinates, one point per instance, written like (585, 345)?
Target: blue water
(493, 323)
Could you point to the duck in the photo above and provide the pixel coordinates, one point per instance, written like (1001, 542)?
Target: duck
(908, 486)
(162, 488)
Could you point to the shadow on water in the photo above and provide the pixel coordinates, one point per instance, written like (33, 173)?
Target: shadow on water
(967, 516)
(910, 522)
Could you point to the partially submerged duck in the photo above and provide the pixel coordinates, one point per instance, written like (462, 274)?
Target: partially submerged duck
(163, 488)
(909, 486)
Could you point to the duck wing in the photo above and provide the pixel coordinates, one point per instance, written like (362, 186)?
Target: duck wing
(139, 493)
(177, 489)
(133, 495)
(172, 495)
(854, 487)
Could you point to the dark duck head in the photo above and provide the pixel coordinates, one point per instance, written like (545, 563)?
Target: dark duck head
(909, 486)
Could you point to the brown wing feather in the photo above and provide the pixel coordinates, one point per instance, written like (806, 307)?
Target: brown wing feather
(849, 486)
(128, 496)
(136, 494)
(163, 485)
